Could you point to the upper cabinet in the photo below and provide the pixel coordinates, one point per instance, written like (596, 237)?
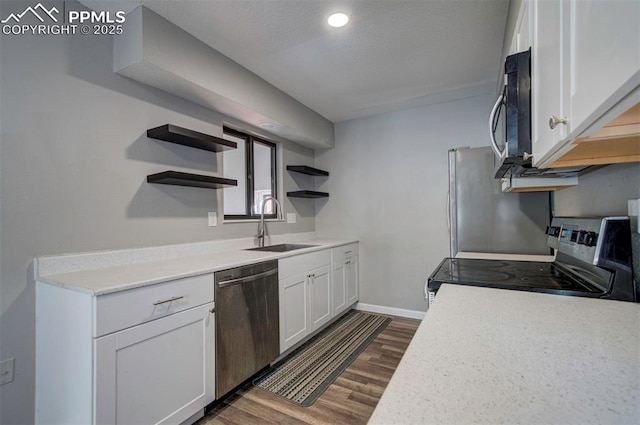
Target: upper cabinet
(548, 75)
(521, 35)
(586, 74)
(618, 141)
(604, 43)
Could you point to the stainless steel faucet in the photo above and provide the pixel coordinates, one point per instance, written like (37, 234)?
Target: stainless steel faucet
(260, 235)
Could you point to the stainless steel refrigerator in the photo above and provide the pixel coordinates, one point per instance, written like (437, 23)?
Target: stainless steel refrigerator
(484, 219)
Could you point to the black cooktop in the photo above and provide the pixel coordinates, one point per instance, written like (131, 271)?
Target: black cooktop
(518, 275)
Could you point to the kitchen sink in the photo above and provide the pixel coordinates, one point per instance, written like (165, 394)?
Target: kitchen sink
(284, 247)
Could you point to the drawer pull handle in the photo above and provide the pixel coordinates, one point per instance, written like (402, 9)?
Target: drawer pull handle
(168, 300)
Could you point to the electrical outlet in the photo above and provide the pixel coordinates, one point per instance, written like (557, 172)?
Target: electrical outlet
(291, 217)
(6, 371)
(213, 219)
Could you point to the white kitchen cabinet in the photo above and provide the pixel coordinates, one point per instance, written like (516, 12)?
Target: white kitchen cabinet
(294, 310)
(143, 355)
(585, 61)
(339, 290)
(523, 29)
(521, 38)
(320, 296)
(305, 296)
(549, 69)
(160, 372)
(605, 54)
(352, 281)
(345, 277)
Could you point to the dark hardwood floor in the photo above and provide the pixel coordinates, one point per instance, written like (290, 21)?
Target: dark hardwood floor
(349, 400)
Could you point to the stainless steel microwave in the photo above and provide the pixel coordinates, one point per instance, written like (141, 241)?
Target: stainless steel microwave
(515, 100)
(514, 158)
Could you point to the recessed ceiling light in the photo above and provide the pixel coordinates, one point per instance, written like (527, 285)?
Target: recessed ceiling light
(268, 126)
(338, 20)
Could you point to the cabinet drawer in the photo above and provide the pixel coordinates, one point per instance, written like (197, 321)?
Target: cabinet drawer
(292, 266)
(124, 309)
(320, 259)
(343, 252)
(297, 264)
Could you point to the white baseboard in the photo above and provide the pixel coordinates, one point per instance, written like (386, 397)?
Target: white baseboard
(392, 311)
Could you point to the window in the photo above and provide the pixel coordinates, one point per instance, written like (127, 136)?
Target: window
(253, 164)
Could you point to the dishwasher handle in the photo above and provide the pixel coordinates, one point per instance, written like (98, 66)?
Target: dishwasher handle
(239, 280)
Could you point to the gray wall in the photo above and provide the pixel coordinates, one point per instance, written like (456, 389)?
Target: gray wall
(74, 157)
(605, 191)
(388, 188)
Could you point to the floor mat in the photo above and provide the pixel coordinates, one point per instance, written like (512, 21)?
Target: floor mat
(303, 375)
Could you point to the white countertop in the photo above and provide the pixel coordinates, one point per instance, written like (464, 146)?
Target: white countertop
(494, 356)
(100, 279)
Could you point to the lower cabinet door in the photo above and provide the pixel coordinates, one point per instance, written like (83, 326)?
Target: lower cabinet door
(160, 372)
(338, 293)
(320, 297)
(294, 324)
(351, 280)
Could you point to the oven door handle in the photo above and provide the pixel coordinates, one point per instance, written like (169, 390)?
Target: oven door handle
(494, 145)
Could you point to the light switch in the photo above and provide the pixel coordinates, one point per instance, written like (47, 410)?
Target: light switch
(291, 217)
(213, 219)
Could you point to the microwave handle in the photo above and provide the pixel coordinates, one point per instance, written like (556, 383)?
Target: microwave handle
(494, 145)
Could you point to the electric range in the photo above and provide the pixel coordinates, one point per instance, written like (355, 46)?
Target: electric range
(593, 259)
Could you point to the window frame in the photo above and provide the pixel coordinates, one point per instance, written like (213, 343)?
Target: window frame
(249, 141)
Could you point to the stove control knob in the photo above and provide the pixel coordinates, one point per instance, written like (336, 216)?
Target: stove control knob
(587, 238)
(553, 231)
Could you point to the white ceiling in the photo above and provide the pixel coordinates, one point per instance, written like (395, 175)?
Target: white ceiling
(393, 54)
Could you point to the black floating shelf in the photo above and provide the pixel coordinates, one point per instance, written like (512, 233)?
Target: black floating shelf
(194, 139)
(304, 169)
(177, 178)
(307, 194)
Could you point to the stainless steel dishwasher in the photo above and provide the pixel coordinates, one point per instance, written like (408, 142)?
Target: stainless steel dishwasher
(247, 323)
